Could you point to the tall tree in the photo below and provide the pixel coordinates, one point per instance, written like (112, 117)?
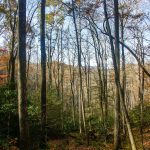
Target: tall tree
(22, 97)
(117, 100)
(79, 52)
(43, 73)
(117, 77)
(11, 14)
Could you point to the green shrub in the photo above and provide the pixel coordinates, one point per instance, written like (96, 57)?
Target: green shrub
(135, 115)
(8, 112)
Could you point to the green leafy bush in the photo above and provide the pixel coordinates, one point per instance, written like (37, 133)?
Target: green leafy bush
(136, 113)
(8, 112)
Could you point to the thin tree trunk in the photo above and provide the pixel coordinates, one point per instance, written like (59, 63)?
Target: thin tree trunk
(62, 78)
(117, 99)
(100, 89)
(117, 81)
(81, 104)
(141, 83)
(49, 63)
(37, 70)
(13, 24)
(123, 74)
(72, 84)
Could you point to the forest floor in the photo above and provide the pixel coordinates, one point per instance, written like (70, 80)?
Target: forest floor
(74, 141)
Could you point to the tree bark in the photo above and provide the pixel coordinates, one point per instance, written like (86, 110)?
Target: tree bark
(117, 81)
(117, 99)
(78, 41)
(22, 97)
(43, 74)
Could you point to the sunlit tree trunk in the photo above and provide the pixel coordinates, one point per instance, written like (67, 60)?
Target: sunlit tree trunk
(140, 51)
(49, 63)
(58, 67)
(117, 80)
(78, 41)
(100, 90)
(37, 69)
(72, 81)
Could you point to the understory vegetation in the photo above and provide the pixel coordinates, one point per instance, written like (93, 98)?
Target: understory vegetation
(64, 135)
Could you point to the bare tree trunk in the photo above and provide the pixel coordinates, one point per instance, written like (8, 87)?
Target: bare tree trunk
(117, 81)
(29, 56)
(105, 89)
(140, 50)
(117, 100)
(49, 63)
(72, 83)
(78, 41)
(100, 89)
(62, 78)
(13, 53)
(37, 70)
(123, 73)
(58, 68)
(22, 97)
(43, 73)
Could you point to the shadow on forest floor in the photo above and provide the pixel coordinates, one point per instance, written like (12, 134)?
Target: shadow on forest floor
(71, 143)
(74, 141)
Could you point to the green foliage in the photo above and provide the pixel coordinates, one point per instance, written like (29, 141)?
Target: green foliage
(98, 125)
(8, 112)
(9, 124)
(4, 144)
(34, 107)
(70, 125)
(34, 118)
(135, 115)
(54, 114)
(110, 121)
